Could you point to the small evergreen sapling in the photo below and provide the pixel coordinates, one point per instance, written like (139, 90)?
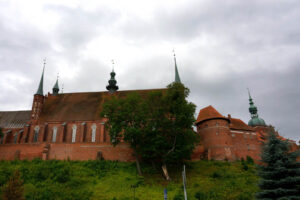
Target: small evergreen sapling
(279, 172)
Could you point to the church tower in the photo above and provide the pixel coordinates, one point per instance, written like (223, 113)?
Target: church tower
(38, 99)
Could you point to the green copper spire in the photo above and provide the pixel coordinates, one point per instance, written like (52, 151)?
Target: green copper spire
(112, 83)
(40, 89)
(255, 120)
(177, 78)
(55, 88)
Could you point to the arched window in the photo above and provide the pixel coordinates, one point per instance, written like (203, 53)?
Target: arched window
(74, 128)
(54, 134)
(36, 133)
(94, 132)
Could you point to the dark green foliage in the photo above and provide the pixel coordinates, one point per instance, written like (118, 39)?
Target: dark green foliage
(178, 197)
(249, 160)
(200, 195)
(158, 126)
(245, 164)
(280, 172)
(14, 189)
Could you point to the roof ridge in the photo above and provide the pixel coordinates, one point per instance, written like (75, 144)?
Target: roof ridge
(116, 91)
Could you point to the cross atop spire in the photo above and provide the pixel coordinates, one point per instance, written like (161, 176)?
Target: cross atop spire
(113, 64)
(40, 88)
(177, 78)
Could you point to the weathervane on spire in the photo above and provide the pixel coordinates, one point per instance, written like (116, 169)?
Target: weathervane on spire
(113, 64)
(44, 62)
(177, 78)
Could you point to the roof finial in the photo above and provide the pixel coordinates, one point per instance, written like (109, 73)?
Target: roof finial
(177, 78)
(113, 64)
(44, 62)
(249, 93)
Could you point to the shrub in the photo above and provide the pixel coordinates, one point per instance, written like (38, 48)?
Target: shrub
(200, 195)
(14, 189)
(249, 160)
(178, 197)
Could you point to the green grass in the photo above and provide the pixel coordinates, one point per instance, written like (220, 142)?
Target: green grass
(106, 180)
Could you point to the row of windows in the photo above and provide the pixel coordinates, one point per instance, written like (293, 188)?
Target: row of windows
(74, 132)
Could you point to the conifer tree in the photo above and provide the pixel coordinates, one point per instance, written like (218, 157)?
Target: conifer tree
(279, 172)
(14, 188)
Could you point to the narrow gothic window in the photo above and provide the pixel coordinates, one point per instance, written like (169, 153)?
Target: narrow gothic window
(16, 137)
(54, 134)
(36, 133)
(74, 133)
(94, 132)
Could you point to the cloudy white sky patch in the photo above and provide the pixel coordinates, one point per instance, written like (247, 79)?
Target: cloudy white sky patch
(222, 48)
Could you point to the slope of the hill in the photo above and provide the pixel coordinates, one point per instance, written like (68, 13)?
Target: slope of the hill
(106, 180)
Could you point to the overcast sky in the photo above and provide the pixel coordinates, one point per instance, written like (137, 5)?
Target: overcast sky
(222, 48)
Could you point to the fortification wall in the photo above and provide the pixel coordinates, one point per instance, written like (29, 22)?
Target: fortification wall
(63, 151)
(88, 151)
(21, 151)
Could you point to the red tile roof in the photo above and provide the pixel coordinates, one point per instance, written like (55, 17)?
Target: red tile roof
(208, 112)
(14, 119)
(79, 106)
(239, 125)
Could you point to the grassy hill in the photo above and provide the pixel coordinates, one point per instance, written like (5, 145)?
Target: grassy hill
(105, 180)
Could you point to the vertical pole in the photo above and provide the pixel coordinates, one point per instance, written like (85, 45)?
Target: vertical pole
(184, 182)
(165, 194)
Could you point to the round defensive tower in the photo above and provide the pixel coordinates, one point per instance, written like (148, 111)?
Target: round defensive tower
(214, 132)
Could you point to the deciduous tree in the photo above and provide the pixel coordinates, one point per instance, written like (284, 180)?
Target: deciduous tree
(157, 126)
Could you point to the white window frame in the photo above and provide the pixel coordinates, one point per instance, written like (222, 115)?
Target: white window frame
(54, 134)
(94, 127)
(74, 128)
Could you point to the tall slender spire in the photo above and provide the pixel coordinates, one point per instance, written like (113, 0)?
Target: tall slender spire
(40, 88)
(112, 83)
(255, 120)
(55, 88)
(177, 78)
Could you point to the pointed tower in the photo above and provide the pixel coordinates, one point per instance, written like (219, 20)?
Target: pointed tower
(55, 88)
(112, 83)
(255, 120)
(38, 99)
(177, 78)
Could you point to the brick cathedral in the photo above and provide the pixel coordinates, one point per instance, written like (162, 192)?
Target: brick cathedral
(68, 126)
